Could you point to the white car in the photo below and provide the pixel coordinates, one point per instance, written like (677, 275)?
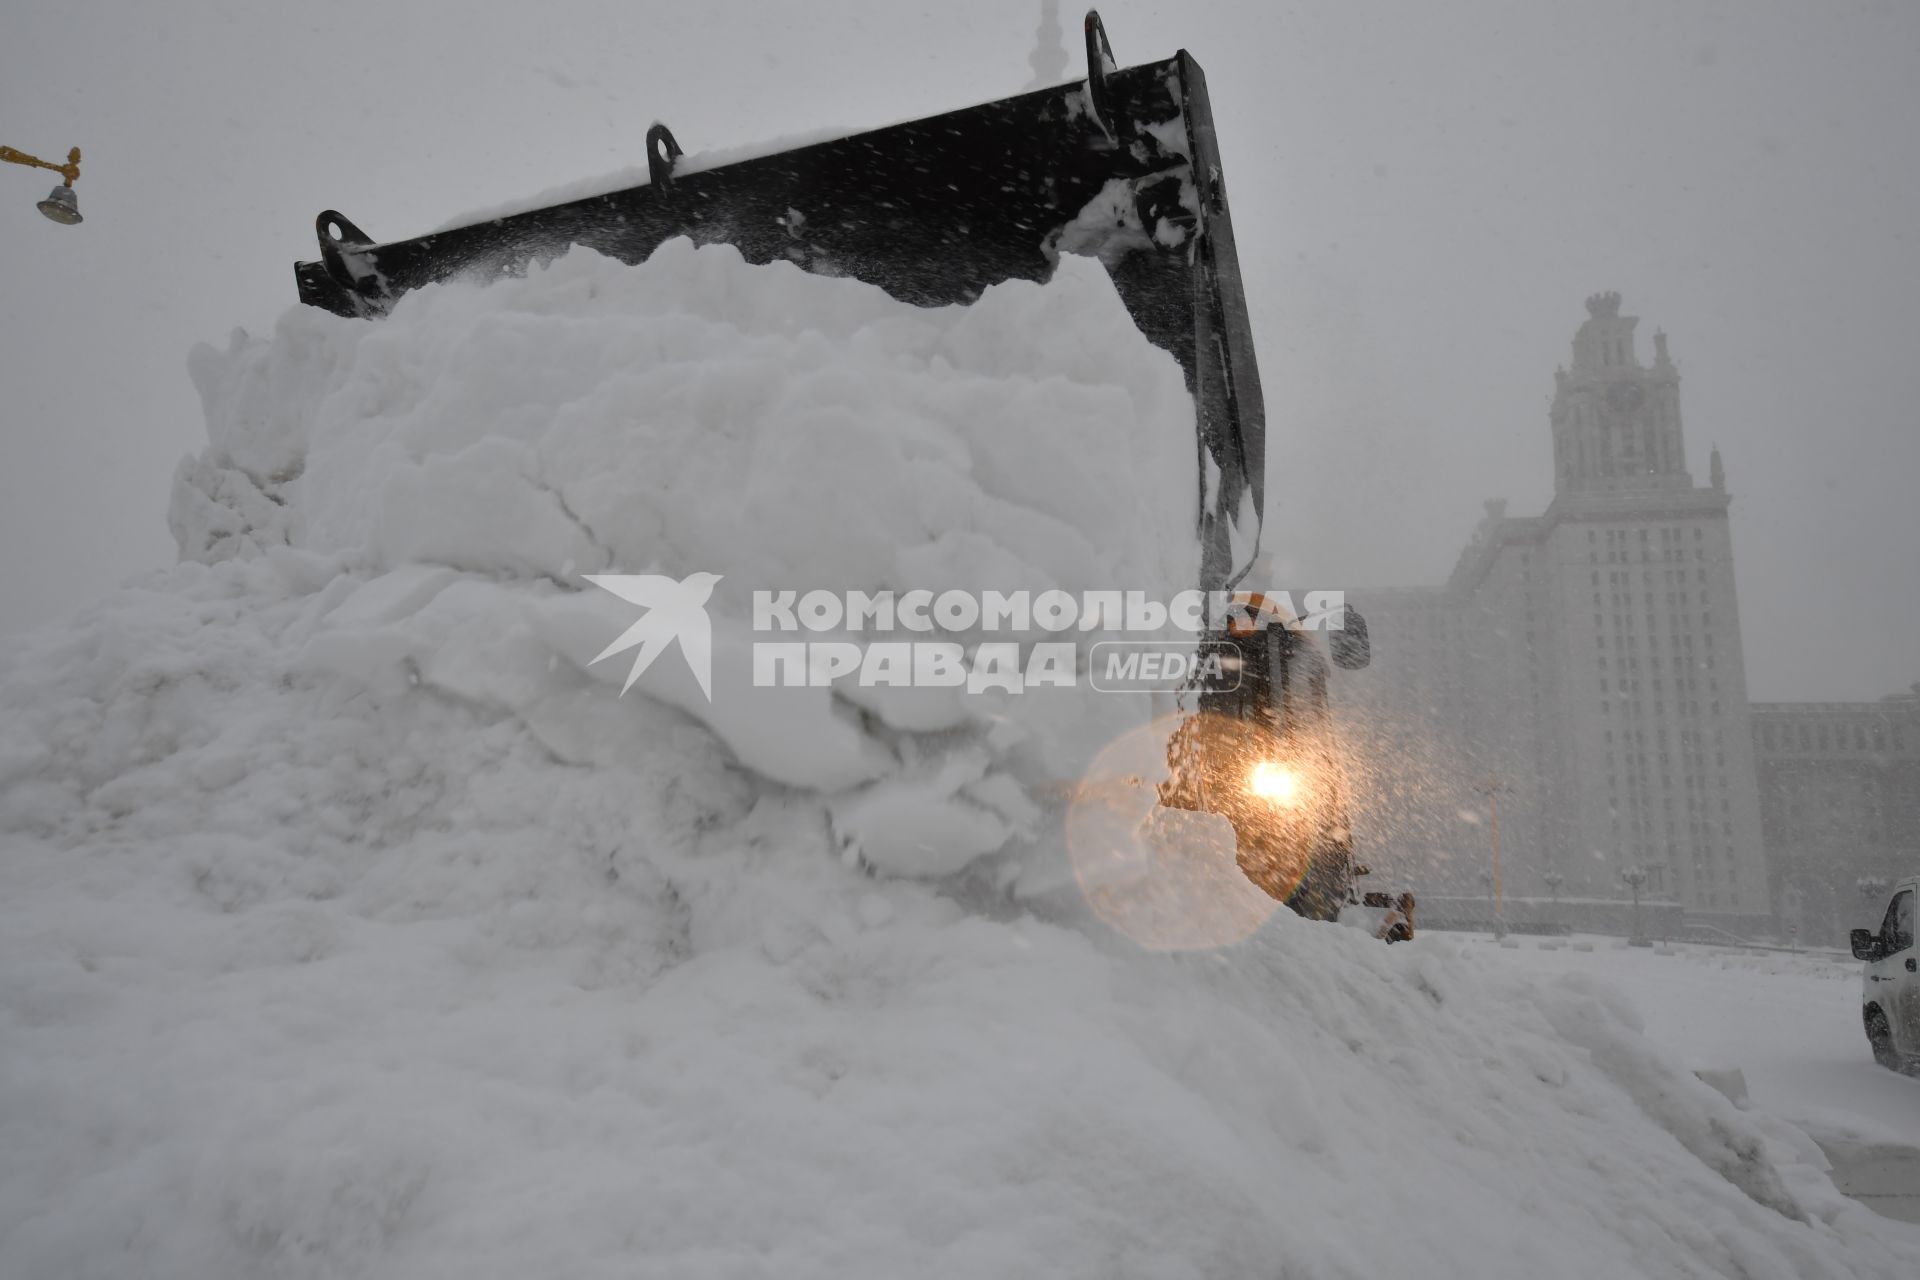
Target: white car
(1890, 987)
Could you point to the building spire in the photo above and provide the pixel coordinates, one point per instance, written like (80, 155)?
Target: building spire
(1716, 474)
(1049, 56)
(1605, 340)
(1616, 422)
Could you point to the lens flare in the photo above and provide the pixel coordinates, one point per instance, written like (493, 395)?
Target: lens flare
(1167, 878)
(1276, 782)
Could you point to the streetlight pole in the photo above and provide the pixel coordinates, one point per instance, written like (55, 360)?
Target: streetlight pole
(1873, 898)
(1553, 881)
(1873, 890)
(1635, 878)
(1491, 790)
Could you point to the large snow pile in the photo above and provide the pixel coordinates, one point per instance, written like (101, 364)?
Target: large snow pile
(351, 924)
(786, 432)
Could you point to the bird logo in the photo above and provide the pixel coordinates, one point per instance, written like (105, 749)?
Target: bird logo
(674, 611)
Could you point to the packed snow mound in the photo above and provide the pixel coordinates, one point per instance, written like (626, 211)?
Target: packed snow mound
(300, 980)
(697, 413)
(351, 924)
(787, 432)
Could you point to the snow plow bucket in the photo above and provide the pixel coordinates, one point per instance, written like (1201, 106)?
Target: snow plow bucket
(1122, 166)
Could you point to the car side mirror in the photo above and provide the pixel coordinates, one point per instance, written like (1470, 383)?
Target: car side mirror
(1347, 643)
(1866, 944)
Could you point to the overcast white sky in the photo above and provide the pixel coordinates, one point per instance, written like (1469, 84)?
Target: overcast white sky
(1423, 194)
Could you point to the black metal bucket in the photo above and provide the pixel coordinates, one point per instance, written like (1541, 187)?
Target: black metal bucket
(1123, 166)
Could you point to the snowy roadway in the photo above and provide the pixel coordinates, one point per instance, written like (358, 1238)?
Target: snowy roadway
(1790, 1023)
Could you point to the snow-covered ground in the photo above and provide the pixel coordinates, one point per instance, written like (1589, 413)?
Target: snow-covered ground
(1789, 1022)
(1789, 1025)
(351, 923)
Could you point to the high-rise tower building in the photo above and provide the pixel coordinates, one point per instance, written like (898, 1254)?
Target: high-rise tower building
(1581, 670)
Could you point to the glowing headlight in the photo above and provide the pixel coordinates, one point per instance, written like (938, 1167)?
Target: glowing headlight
(1276, 782)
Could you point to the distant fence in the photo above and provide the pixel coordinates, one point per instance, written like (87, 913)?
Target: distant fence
(1667, 921)
(1546, 917)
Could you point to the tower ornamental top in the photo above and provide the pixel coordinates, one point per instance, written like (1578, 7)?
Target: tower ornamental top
(1049, 56)
(1616, 422)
